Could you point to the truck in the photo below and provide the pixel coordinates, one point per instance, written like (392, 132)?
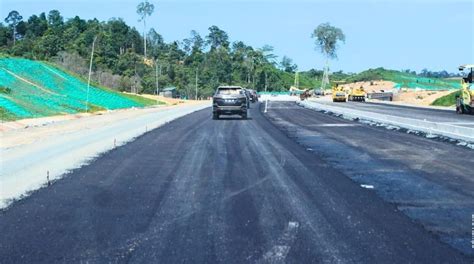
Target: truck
(338, 93)
(357, 94)
(465, 100)
(229, 100)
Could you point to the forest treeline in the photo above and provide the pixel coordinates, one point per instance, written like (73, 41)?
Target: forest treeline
(119, 61)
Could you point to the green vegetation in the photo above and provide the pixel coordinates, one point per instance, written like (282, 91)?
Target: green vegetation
(327, 39)
(142, 100)
(406, 80)
(6, 115)
(124, 60)
(120, 63)
(5, 90)
(447, 100)
(35, 89)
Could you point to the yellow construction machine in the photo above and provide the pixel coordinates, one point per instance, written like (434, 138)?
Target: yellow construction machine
(465, 101)
(338, 92)
(357, 94)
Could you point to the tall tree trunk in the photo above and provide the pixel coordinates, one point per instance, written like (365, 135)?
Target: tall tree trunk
(144, 37)
(14, 35)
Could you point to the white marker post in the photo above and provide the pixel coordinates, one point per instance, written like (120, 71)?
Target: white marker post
(90, 72)
(266, 105)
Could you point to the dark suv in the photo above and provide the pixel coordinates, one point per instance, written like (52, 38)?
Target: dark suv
(229, 100)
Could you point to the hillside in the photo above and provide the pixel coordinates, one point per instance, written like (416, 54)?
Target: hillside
(35, 89)
(406, 80)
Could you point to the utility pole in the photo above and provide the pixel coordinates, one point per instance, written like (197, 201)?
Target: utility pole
(144, 38)
(325, 80)
(297, 80)
(157, 79)
(156, 76)
(266, 83)
(90, 72)
(196, 83)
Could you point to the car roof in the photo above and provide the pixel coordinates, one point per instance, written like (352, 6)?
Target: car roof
(466, 66)
(229, 87)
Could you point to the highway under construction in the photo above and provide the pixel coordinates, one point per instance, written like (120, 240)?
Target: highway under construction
(287, 185)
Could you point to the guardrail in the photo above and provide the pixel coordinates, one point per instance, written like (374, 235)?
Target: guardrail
(381, 96)
(431, 128)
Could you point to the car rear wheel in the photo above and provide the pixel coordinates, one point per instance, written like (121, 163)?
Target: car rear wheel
(215, 116)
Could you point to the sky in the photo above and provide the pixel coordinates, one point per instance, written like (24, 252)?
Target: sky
(433, 34)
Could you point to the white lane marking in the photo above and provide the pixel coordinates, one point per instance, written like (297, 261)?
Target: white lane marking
(333, 125)
(278, 253)
(284, 107)
(367, 186)
(458, 123)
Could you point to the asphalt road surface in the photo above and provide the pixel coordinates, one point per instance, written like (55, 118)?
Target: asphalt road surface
(429, 114)
(215, 191)
(430, 180)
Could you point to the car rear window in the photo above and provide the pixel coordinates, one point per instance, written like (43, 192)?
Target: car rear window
(228, 91)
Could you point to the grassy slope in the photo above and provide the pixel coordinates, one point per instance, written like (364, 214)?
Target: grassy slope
(5, 115)
(137, 98)
(447, 100)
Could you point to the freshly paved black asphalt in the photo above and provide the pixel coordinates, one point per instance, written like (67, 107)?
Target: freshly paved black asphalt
(213, 191)
(428, 179)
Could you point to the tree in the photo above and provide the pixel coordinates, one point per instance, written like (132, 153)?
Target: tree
(144, 9)
(267, 52)
(327, 38)
(118, 59)
(194, 43)
(217, 38)
(37, 25)
(55, 20)
(4, 35)
(13, 19)
(156, 43)
(287, 65)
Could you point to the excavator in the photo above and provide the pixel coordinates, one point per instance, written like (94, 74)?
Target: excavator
(465, 101)
(303, 93)
(357, 94)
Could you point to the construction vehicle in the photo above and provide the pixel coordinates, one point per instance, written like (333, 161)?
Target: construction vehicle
(338, 93)
(305, 95)
(319, 92)
(357, 94)
(465, 101)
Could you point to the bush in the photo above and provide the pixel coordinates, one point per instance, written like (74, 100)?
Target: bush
(5, 90)
(447, 100)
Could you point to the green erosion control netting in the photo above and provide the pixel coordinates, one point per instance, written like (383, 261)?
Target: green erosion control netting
(35, 89)
(406, 80)
(424, 83)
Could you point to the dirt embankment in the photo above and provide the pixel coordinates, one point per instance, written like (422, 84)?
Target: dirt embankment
(372, 86)
(419, 97)
(22, 124)
(407, 96)
(167, 100)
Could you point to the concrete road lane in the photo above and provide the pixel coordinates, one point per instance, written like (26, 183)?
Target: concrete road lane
(433, 115)
(213, 191)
